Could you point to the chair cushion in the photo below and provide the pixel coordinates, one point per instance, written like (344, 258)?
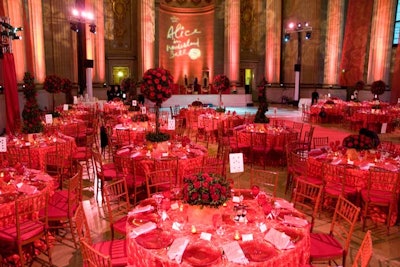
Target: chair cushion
(81, 155)
(109, 174)
(116, 249)
(108, 166)
(29, 229)
(120, 225)
(325, 246)
(377, 196)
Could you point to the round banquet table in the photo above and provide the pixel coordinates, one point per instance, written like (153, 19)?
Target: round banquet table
(41, 145)
(190, 156)
(362, 161)
(15, 183)
(143, 252)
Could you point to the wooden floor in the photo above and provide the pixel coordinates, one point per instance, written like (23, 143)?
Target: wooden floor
(386, 248)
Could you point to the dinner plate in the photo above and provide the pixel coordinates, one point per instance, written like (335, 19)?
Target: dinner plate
(142, 218)
(201, 254)
(257, 251)
(155, 239)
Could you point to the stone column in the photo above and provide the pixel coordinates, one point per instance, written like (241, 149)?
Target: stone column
(146, 16)
(273, 18)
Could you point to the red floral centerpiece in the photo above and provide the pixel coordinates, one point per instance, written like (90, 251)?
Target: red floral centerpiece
(206, 189)
(221, 83)
(156, 87)
(66, 88)
(53, 84)
(358, 142)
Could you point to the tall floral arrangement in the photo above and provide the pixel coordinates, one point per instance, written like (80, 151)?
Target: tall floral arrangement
(378, 87)
(32, 122)
(221, 83)
(66, 88)
(206, 189)
(53, 85)
(156, 87)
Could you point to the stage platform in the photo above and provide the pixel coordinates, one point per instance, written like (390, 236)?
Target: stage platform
(231, 100)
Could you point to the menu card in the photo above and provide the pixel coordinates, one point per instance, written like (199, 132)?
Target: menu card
(49, 118)
(177, 248)
(144, 228)
(279, 239)
(234, 253)
(141, 209)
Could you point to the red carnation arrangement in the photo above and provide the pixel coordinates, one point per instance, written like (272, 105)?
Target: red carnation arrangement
(31, 113)
(206, 189)
(53, 84)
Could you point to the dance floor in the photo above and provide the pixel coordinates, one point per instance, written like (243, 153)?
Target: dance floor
(386, 248)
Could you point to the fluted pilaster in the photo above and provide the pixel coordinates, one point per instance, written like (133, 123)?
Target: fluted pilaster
(334, 33)
(381, 41)
(273, 40)
(232, 37)
(147, 35)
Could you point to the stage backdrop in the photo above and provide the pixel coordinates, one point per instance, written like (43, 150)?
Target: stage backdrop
(187, 43)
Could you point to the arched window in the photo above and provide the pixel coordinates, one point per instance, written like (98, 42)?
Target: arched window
(396, 31)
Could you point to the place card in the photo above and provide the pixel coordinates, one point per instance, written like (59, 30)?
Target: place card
(247, 237)
(3, 144)
(134, 103)
(236, 162)
(205, 236)
(27, 144)
(174, 206)
(65, 107)
(177, 226)
(237, 199)
(384, 127)
(262, 227)
(171, 124)
(49, 118)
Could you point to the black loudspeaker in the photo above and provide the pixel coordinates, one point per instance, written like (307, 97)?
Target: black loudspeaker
(297, 67)
(89, 63)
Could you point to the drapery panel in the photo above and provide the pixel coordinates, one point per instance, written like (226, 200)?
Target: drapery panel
(357, 30)
(11, 94)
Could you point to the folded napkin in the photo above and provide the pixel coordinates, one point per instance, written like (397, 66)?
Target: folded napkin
(26, 189)
(136, 154)
(278, 239)
(177, 248)
(234, 253)
(294, 221)
(144, 228)
(141, 210)
(336, 161)
(283, 204)
(123, 151)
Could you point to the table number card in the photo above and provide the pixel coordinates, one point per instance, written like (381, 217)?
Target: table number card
(134, 103)
(247, 237)
(236, 162)
(65, 107)
(3, 144)
(49, 118)
(171, 124)
(205, 236)
(143, 109)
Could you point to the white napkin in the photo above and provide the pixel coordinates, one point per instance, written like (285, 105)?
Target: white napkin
(278, 239)
(283, 204)
(177, 248)
(122, 151)
(144, 228)
(336, 161)
(26, 189)
(141, 210)
(294, 221)
(234, 253)
(134, 155)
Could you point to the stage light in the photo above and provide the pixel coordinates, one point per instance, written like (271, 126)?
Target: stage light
(299, 26)
(308, 35)
(74, 27)
(92, 28)
(287, 37)
(291, 25)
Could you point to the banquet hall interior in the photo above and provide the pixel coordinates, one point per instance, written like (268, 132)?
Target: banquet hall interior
(199, 133)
